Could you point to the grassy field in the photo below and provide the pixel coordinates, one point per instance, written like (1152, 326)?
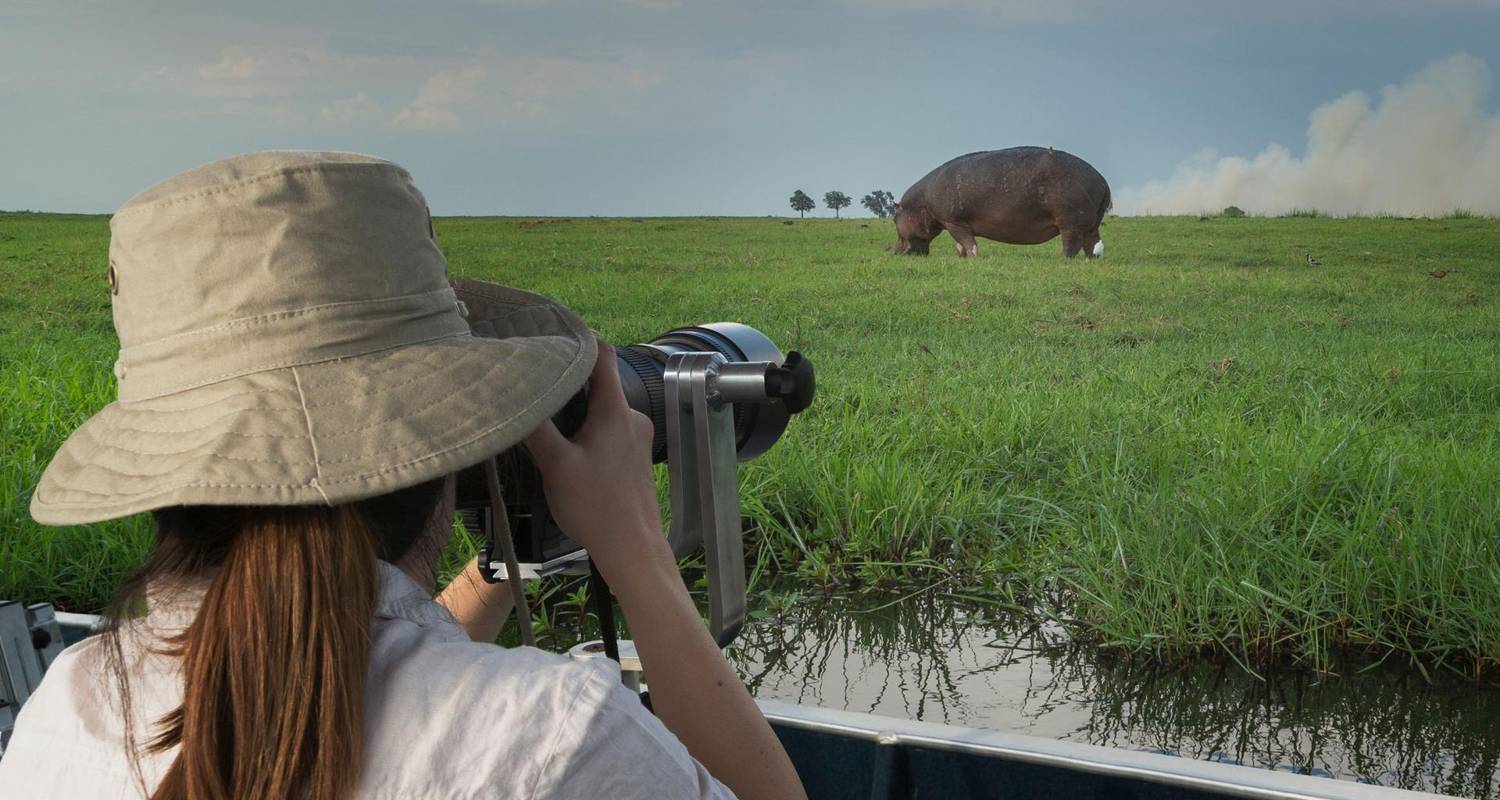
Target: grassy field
(1199, 444)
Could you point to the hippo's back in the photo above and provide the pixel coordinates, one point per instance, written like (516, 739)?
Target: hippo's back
(1009, 180)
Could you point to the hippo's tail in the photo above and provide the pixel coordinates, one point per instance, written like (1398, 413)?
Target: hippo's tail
(1104, 206)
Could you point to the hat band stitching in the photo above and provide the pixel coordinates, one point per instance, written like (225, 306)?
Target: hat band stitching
(194, 449)
(257, 409)
(254, 179)
(445, 294)
(97, 442)
(95, 465)
(376, 391)
(168, 490)
(427, 361)
(333, 331)
(263, 368)
(236, 434)
(129, 405)
(544, 395)
(424, 362)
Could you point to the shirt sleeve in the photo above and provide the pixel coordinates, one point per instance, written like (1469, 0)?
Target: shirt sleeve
(617, 749)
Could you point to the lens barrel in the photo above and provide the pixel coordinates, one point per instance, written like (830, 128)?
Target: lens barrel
(757, 426)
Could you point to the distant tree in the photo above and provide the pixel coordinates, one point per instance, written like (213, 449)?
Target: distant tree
(880, 202)
(836, 201)
(1234, 211)
(801, 203)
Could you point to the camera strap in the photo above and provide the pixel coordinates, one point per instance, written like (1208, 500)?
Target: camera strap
(500, 531)
(604, 607)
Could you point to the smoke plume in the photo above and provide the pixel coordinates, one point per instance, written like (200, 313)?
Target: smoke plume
(1426, 148)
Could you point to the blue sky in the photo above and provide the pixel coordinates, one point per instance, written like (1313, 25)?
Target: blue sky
(662, 107)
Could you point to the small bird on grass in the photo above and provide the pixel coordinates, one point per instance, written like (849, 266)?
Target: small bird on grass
(1439, 273)
(1312, 261)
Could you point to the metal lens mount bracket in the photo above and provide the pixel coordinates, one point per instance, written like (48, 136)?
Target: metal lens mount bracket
(701, 389)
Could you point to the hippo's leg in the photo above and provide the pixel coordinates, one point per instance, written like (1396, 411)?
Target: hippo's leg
(1074, 241)
(963, 242)
(1091, 243)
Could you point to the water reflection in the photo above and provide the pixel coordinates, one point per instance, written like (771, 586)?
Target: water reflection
(928, 658)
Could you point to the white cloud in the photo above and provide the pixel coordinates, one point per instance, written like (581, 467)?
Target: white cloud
(645, 5)
(1027, 10)
(349, 111)
(558, 77)
(1223, 12)
(235, 65)
(277, 70)
(506, 90)
(440, 97)
(274, 110)
(284, 82)
(1426, 147)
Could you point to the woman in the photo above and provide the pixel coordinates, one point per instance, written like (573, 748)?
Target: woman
(298, 381)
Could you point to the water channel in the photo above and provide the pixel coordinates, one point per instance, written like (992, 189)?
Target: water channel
(926, 658)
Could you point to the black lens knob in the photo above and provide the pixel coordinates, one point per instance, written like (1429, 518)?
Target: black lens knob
(793, 382)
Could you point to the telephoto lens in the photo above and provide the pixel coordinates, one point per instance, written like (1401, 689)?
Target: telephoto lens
(788, 383)
(763, 389)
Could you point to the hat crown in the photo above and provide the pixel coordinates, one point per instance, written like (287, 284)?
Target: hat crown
(289, 336)
(208, 267)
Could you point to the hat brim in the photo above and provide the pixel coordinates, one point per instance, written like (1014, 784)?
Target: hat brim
(330, 432)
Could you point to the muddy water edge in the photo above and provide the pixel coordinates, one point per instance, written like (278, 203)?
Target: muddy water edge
(929, 658)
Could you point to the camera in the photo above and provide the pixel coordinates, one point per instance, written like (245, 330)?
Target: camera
(716, 394)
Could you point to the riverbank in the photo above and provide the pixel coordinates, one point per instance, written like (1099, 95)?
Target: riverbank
(1199, 443)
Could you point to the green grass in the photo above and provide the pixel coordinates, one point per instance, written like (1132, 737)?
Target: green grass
(1198, 444)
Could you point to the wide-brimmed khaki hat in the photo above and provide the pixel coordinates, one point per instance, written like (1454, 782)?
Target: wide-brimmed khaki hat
(289, 336)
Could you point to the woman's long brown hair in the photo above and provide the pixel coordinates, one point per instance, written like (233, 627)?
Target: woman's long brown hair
(274, 661)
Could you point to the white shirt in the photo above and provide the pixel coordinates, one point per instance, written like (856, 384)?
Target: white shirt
(445, 717)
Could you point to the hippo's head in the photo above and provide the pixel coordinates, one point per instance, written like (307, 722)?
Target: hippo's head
(914, 231)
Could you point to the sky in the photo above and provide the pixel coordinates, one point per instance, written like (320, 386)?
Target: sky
(676, 107)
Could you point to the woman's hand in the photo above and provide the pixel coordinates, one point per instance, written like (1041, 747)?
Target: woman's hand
(601, 492)
(599, 486)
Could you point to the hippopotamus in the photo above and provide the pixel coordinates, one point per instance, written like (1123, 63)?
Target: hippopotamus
(1021, 195)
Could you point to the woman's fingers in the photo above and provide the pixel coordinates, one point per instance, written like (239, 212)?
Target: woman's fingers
(599, 485)
(546, 445)
(605, 392)
(613, 436)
